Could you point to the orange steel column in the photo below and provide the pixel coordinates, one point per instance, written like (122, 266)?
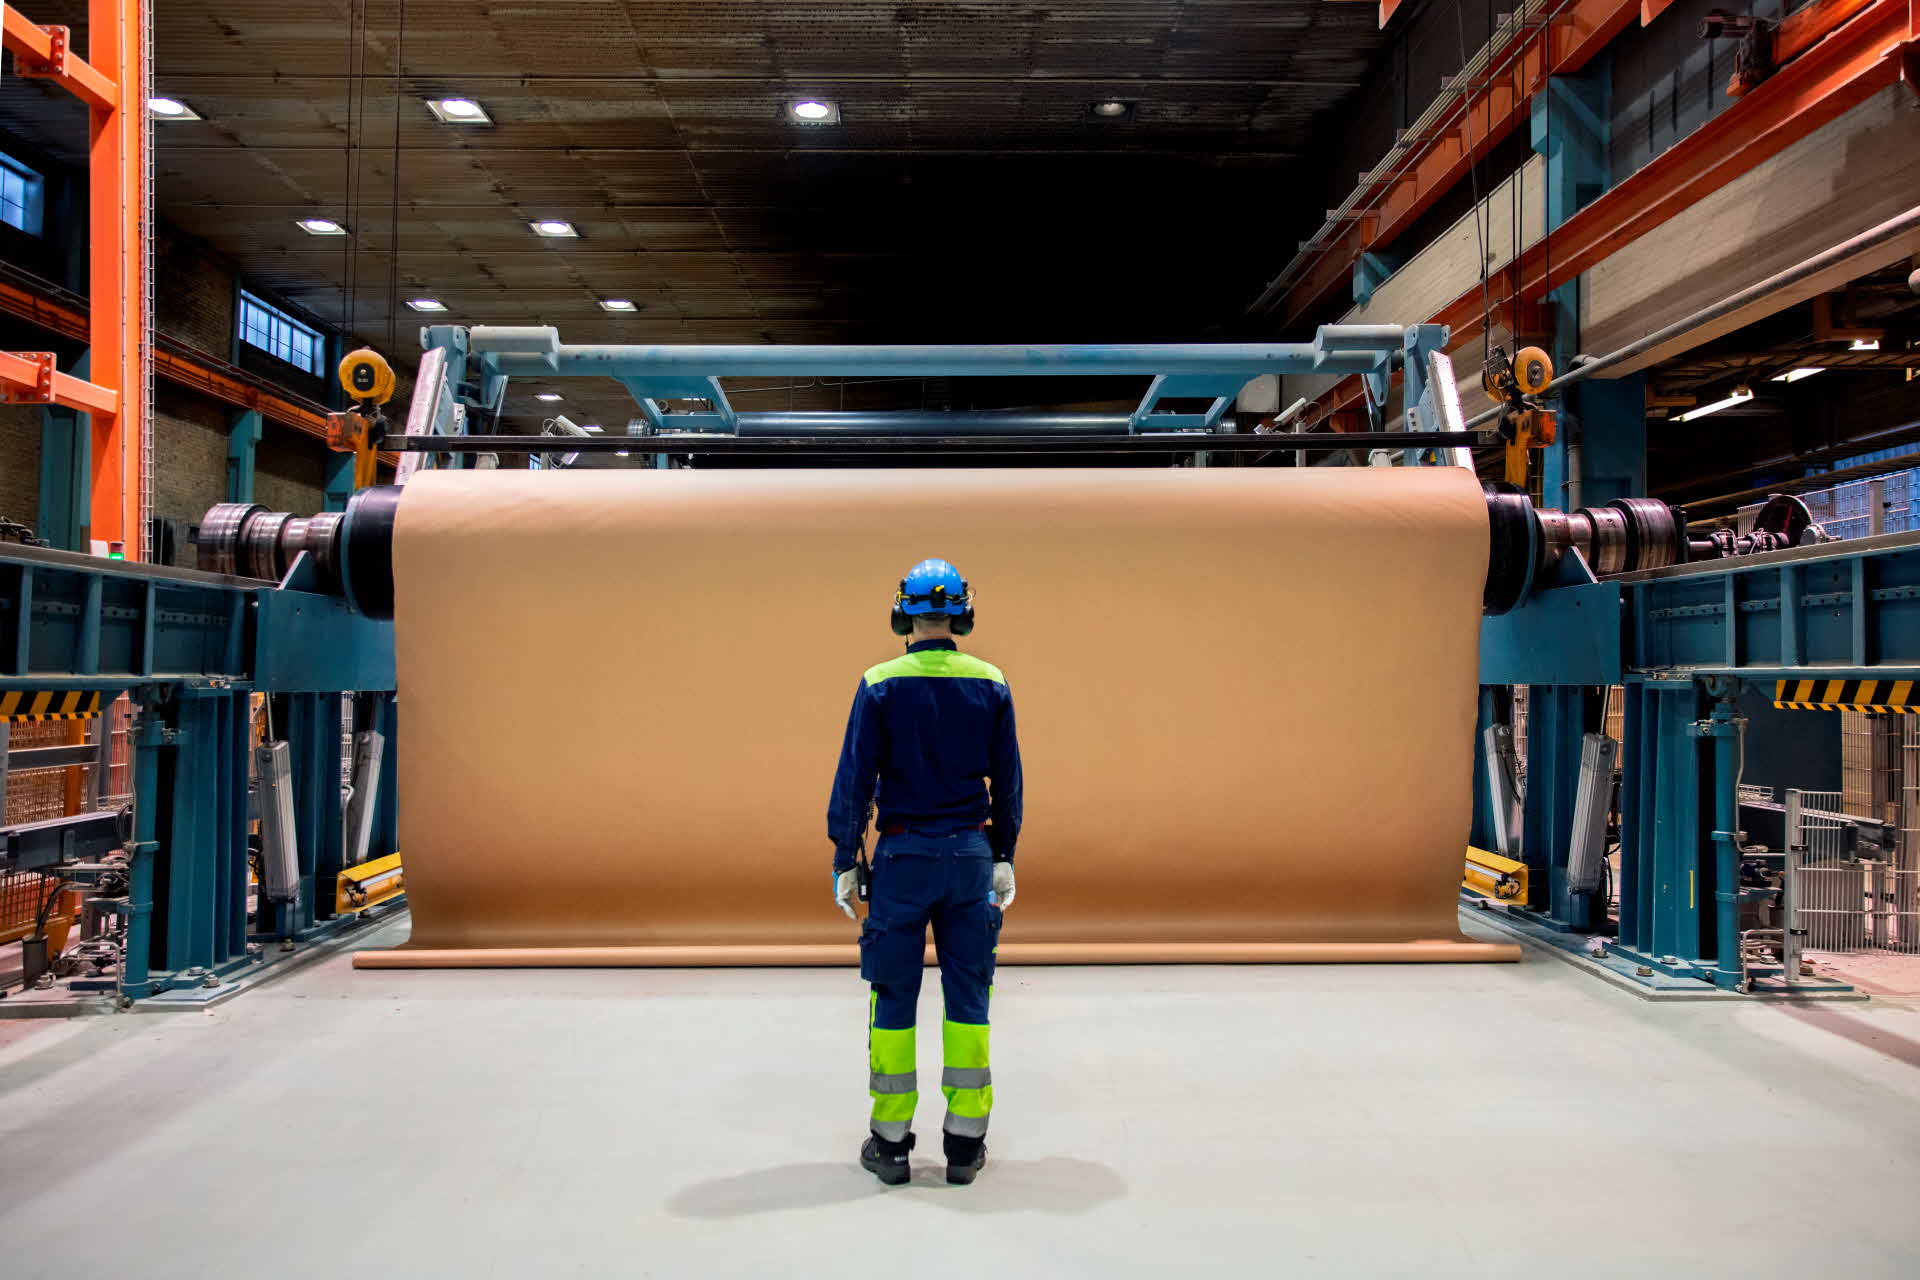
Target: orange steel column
(118, 272)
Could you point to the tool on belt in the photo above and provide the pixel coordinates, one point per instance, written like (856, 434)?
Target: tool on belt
(862, 873)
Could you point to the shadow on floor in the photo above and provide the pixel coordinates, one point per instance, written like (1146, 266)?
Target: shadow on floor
(1054, 1184)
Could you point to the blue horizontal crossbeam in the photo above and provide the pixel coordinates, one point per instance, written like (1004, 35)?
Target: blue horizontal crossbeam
(1336, 350)
(932, 422)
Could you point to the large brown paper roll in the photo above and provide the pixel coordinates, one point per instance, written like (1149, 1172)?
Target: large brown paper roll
(1245, 697)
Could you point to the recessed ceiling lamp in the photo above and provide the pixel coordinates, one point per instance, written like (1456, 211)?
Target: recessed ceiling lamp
(618, 304)
(555, 228)
(1794, 375)
(1112, 109)
(1740, 396)
(426, 304)
(1865, 344)
(321, 227)
(623, 453)
(170, 109)
(594, 427)
(458, 111)
(548, 396)
(814, 111)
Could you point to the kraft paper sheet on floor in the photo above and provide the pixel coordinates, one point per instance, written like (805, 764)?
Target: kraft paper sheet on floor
(1246, 705)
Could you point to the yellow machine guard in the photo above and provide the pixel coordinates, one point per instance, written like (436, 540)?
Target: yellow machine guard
(1492, 876)
(371, 883)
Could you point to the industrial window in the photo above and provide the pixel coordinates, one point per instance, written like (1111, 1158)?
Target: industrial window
(20, 195)
(279, 334)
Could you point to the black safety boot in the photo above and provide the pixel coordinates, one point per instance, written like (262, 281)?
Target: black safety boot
(965, 1157)
(886, 1160)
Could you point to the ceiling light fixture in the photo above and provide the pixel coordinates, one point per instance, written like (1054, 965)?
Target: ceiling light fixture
(548, 396)
(1740, 396)
(591, 426)
(458, 111)
(618, 304)
(1112, 109)
(814, 111)
(1865, 344)
(426, 304)
(170, 109)
(321, 227)
(554, 228)
(623, 453)
(1794, 375)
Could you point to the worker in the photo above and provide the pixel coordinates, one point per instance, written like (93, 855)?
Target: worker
(932, 728)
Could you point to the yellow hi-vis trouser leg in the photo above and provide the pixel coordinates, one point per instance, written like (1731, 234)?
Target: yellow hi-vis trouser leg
(891, 1078)
(965, 1078)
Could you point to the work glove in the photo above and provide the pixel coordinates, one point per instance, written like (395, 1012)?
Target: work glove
(1002, 885)
(843, 891)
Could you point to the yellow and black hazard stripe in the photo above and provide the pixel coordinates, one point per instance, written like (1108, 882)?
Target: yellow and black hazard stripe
(26, 705)
(1897, 696)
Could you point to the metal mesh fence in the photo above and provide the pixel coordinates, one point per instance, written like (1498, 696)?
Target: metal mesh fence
(1853, 899)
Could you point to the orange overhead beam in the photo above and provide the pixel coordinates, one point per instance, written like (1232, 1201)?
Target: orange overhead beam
(1804, 28)
(1849, 66)
(42, 53)
(1522, 64)
(28, 377)
(1794, 35)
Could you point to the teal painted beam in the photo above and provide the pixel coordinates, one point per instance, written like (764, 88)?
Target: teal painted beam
(1602, 447)
(243, 442)
(66, 469)
(339, 485)
(1369, 273)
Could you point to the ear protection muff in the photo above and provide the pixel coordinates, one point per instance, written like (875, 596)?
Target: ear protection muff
(902, 622)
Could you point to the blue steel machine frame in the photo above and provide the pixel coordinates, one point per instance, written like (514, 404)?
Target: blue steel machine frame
(1683, 641)
(193, 647)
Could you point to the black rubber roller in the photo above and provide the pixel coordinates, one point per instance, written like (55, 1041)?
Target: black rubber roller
(366, 550)
(1515, 545)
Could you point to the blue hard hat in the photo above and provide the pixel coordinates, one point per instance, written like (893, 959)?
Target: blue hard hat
(932, 586)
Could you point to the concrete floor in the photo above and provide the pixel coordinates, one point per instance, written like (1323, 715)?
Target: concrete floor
(1443, 1121)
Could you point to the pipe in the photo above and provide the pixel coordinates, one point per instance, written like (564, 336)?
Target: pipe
(934, 423)
(1359, 337)
(1891, 229)
(1185, 440)
(1336, 351)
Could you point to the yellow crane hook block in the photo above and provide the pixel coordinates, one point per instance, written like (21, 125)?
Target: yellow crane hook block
(367, 376)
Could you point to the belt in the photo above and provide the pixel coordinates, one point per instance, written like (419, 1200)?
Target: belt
(901, 829)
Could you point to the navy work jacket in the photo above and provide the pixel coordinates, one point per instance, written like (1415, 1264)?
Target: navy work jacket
(930, 728)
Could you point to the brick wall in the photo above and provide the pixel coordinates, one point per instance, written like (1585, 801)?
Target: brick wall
(193, 293)
(289, 472)
(189, 454)
(20, 462)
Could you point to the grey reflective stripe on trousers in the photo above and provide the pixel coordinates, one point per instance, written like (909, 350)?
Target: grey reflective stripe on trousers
(900, 1082)
(892, 1130)
(966, 1126)
(966, 1077)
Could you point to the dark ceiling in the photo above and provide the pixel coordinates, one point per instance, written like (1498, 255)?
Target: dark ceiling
(967, 194)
